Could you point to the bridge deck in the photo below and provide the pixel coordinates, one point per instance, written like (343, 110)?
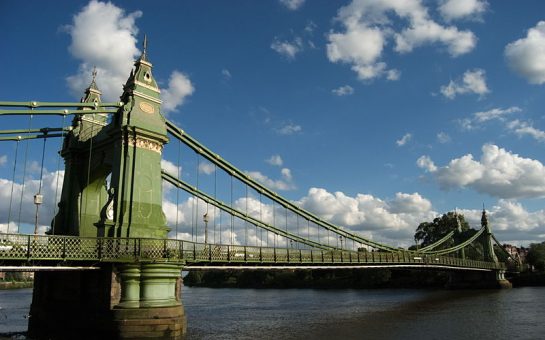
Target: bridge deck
(40, 250)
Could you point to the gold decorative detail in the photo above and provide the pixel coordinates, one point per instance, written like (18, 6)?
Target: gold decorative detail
(146, 144)
(146, 107)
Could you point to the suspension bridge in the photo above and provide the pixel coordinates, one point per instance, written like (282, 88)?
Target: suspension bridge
(110, 261)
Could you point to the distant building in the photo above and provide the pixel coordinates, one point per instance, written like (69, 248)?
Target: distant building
(519, 253)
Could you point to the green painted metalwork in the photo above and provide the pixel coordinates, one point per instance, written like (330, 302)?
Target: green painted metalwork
(59, 104)
(209, 199)
(232, 170)
(43, 249)
(65, 112)
(19, 138)
(122, 220)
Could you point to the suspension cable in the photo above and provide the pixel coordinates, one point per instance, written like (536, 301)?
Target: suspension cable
(197, 214)
(245, 222)
(89, 159)
(215, 197)
(12, 183)
(37, 200)
(54, 222)
(232, 216)
(24, 175)
(178, 191)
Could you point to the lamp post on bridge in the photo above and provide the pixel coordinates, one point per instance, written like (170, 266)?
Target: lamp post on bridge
(205, 219)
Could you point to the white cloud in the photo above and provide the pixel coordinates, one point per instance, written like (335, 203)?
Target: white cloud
(3, 160)
(473, 81)
(28, 209)
(113, 48)
(425, 162)
(171, 168)
(285, 183)
(113, 51)
(179, 87)
(275, 160)
(521, 128)
(404, 140)
(286, 48)
(526, 56)
(310, 27)
(495, 113)
(462, 9)
(292, 4)
(511, 222)
(289, 129)
(484, 116)
(392, 221)
(499, 173)
(345, 90)
(369, 25)
(226, 73)
(393, 74)
(206, 168)
(443, 137)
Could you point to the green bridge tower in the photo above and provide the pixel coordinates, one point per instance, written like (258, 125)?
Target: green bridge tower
(113, 188)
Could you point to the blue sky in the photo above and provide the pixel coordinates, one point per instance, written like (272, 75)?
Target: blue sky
(374, 114)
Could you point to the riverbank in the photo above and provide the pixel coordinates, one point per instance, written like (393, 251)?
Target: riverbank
(323, 279)
(536, 279)
(336, 279)
(16, 284)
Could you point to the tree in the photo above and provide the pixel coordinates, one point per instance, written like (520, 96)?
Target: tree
(431, 232)
(536, 256)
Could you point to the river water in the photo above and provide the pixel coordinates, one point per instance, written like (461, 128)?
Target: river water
(342, 314)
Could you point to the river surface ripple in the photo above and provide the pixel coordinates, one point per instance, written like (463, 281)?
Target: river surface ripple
(342, 314)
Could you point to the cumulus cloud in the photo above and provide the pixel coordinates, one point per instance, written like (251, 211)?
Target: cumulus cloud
(113, 51)
(226, 74)
(369, 26)
(394, 219)
(289, 129)
(51, 185)
(443, 137)
(179, 87)
(275, 160)
(284, 183)
(462, 9)
(288, 49)
(511, 222)
(498, 173)
(345, 90)
(171, 168)
(480, 117)
(292, 4)
(522, 128)
(526, 56)
(425, 162)
(113, 48)
(206, 168)
(473, 81)
(404, 140)
(3, 160)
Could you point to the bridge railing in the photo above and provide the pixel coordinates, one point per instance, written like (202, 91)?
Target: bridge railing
(18, 247)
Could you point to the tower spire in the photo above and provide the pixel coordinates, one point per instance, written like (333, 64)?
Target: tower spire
(144, 56)
(484, 219)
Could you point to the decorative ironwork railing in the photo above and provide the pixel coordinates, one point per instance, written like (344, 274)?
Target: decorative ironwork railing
(36, 248)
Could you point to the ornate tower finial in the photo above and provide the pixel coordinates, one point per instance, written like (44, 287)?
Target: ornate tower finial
(144, 55)
(484, 219)
(94, 73)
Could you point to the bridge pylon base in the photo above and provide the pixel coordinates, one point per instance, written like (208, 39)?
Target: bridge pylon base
(478, 280)
(132, 301)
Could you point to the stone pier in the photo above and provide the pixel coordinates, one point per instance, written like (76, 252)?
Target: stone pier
(478, 280)
(132, 301)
